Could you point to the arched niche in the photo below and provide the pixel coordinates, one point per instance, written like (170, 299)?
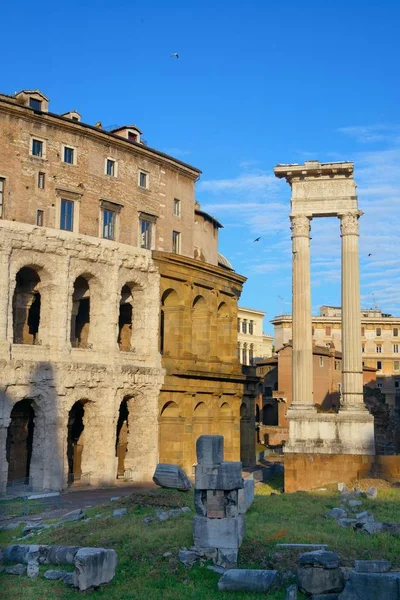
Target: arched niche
(26, 306)
(171, 324)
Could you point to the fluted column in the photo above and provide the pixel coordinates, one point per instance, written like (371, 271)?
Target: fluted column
(352, 373)
(302, 366)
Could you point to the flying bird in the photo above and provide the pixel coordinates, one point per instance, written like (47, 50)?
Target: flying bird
(174, 55)
(257, 239)
(369, 254)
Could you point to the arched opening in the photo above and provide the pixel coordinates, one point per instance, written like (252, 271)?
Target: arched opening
(226, 429)
(80, 318)
(26, 307)
(121, 444)
(200, 328)
(20, 441)
(75, 441)
(270, 414)
(172, 432)
(170, 324)
(125, 319)
(201, 424)
(257, 413)
(224, 346)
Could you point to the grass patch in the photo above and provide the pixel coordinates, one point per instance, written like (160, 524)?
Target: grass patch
(144, 574)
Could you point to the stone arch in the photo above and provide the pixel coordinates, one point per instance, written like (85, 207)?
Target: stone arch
(171, 324)
(225, 347)
(125, 319)
(81, 308)
(201, 423)
(200, 328)
(26, 306)
(75, 440)
(172, 434)
(225, 428)
(121, 442)
(19, 442)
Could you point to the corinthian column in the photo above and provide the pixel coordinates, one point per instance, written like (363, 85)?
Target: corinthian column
(352, 374)
(302, 368)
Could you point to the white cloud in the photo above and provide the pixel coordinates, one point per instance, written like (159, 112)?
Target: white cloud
(366, 134)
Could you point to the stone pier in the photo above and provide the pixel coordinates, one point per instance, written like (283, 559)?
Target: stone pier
(326, 190)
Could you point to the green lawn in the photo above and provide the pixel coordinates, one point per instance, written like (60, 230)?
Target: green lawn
(144, 574)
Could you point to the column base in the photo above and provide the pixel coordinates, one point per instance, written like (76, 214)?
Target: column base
(348, 432)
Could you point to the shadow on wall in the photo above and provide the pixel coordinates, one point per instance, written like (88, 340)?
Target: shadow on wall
(32, 443)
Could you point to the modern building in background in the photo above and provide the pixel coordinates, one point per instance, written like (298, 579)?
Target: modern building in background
(380, 333)
(253, 344)
(118, 336)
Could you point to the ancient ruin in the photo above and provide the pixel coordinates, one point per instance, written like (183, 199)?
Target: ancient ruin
(326, 190)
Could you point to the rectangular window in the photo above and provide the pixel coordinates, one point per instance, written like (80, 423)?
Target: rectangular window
(396, 367)
(2, 182)
(145, 233)
(379, 348)
(244, 326)
(41, 180)
(143, 179)
(251, 327)
(395, 348)
(379, 365)
(68, 155)
(363, 348)
(132, 137)
(37, 148)
(40, 218)
(397, 382)
(238, 325)
(244, 356)
(363, 331)
(378, 331)
(328, 330)
(395, 332)
(379, 384)
(238, 352)
(35, 104)
(321, 361)
(176, 242)
(110, 167)
(177, 208)
(108, 224)
(337, 365)
(67, 215)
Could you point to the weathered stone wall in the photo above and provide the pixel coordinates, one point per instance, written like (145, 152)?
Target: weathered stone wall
(204, 389)
(310, 471)
(53, 375)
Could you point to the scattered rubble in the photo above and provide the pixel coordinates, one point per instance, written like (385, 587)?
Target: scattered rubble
(171, 476)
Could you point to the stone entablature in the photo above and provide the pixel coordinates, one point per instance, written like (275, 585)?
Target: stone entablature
(70, 364)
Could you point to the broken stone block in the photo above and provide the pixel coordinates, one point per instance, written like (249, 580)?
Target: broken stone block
(336, 513)
(226, 476)
(227, 557)
(16, 570)
(120, 512)
(232, 503)
(354, 503)
(186, 509)
(246, 496)
(218, 533)
(74, 515)
(372, 566)
(215, 504)
(188, 557)
(171, 476)
(372, 586)
(248, 580)
(372, 493)
(317, 580)
(346, 522)
(32, 569)
(54, 574)
(60, 555)
(161, 515)
(210, 450)
(391, 528)
(371, 527)
(94, 566)
(320, 558)
(291, 592)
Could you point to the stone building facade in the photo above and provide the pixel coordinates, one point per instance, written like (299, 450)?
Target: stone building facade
(253, 344)
(380, 343)
(116, 311)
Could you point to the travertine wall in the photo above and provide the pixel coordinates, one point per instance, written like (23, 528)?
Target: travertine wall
(54, 376)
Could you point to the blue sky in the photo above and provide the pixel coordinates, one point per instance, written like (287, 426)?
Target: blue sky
(257, 83)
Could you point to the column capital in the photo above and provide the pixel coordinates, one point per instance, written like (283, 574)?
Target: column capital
(300, 225)
(349, 222)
